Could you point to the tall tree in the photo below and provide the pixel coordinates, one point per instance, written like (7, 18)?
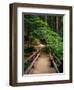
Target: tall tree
(57, 23)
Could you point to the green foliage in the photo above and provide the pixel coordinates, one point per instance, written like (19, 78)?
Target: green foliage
(39, 29)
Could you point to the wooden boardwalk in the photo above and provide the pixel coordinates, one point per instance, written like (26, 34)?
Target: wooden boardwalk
(42, 65)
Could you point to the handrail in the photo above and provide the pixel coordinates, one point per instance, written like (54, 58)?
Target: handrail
(29, 68)
(58, 60)
(55, 66)
(32, 56)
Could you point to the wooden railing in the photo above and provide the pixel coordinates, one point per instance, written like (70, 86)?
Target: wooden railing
(55, 66)
(31, 65)
(33, 57)
(29, 58)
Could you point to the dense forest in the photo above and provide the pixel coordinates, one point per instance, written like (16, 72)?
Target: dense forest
(46, 30)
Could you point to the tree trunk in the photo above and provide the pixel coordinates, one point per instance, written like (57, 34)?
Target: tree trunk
(57, 23)
(45, 18)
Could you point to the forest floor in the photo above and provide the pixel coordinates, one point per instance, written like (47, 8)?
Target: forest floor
(42, 65)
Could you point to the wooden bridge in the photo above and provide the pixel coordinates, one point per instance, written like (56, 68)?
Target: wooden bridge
(40, 63)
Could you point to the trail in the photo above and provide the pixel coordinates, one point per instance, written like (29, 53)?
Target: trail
(42, 65)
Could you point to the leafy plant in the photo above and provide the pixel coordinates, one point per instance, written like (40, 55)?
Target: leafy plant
(39, 29)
